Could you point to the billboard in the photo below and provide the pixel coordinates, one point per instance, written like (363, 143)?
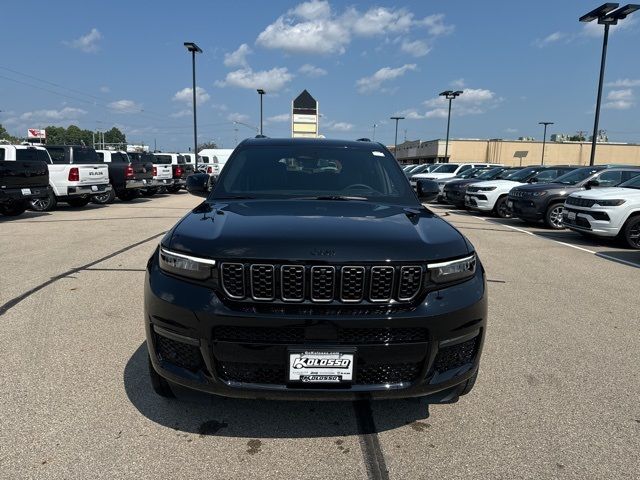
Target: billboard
(304, 116)
(36, 133)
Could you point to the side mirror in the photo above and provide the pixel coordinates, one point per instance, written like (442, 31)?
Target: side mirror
(199, 184)
(592, 183)
(427, 190)
(533, 180)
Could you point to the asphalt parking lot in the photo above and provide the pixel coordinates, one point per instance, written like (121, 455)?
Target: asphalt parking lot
(557, 395)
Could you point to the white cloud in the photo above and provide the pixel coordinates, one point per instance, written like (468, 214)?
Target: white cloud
(237, 117)
(550, 39)
(594, 29)
(104, 89)
(283, 117)
(312, 71)
(417, 48)
(618, 105)
(338, 126)
(125, 106)
(221, 107)
(238, 58)
(624, 83)
(410, 114)
(375, 81)
(87, 43)
(186, 96)
(458, 83)
(64, 114)
(626, 94)
(620, 99)
(181, 113)
(473, 101)
(270, 80)
(314, 28)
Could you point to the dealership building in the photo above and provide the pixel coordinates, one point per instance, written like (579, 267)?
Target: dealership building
(516, 152)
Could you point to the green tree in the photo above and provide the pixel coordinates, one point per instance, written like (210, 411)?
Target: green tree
(207, 145)
(5, 135)
(115, 136)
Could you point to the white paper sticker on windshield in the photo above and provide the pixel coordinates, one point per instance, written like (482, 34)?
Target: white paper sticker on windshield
(378, 154)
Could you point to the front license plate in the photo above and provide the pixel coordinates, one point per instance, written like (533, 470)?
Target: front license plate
(94, 188)
(26, 191)
(571, 215)
(320, 367)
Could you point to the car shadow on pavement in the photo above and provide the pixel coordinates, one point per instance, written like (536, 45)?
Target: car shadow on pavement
(28, 215)
(204, 414)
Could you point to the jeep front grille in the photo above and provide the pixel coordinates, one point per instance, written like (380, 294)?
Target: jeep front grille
(321, 283)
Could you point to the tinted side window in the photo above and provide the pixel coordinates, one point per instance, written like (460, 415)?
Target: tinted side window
(43, 156)
(57, 154)
(610, 179)
(181, 160)
(26, 154)
(464, 168)
(100, 156)
(629, 174)
(2, 156)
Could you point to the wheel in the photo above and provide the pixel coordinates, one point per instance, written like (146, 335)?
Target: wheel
(159, 384)
(553, 216)
(631, 232)
(501, 209)
(468, 386)
(13, 209)
(45, 204)
(173, 189)
(127, 195)
(104, 198)
(79, 202)
(149, 192)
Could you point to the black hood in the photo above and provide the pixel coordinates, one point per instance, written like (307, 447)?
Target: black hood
(311, 230)
(547, 187)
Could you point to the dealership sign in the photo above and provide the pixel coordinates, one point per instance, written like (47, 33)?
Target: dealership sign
(304, 116)
(36, 133)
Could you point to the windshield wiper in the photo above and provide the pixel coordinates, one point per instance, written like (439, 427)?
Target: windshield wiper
(332, 197)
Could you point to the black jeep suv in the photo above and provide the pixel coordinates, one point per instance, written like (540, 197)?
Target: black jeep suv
(313, 271)
(546, 201)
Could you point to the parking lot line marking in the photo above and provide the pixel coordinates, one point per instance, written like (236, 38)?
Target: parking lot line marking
(16, 300)
(369, 442)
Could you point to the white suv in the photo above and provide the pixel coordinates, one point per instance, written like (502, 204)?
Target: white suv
(447, 170)
(606, 212)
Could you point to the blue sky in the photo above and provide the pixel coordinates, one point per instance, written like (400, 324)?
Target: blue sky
(123, 63)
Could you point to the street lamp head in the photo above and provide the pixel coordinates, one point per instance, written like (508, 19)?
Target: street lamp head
(622, 12)
(192, 47)
(261, 91)
(599, 12)
(458, 93)
(545, 123)
(446, 93)
(396, 118)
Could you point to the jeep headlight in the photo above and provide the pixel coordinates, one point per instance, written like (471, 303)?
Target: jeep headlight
(486, 189)
(453, 270)
(185, 265)
(539, 194)
(609, 203)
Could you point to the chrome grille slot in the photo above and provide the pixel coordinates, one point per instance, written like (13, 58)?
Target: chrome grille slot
(322, 283)
(262, 282)
(352, 284)
(233, 279)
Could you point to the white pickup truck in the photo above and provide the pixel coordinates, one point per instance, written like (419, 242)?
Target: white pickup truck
(75, 174)
(162, 175)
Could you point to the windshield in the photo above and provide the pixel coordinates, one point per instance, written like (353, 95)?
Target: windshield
(576, 176)
(163, 159)
(295, 171)
(32, 155)
(490, 173)
(471, 173)
(633, 183)
(181, 160)
(523, 175)
(445, 168)
(84, 155)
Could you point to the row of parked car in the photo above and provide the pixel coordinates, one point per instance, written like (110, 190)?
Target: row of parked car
(600, 200)
(39, 177)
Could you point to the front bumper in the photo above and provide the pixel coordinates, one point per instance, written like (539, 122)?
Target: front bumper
(454, 196)
(596, 222)
(479, 201)
(88, 189)
(241, 353)
(525, 208)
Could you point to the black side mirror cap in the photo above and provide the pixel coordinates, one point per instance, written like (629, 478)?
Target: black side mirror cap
(200, 184)
(427, 190)
(592, 183)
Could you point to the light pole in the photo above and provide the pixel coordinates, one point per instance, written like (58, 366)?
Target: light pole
(193, 48)
(395, 142)
(606, 16)
(449, 95)
(544, 138)
(373, 139)
(261, 92)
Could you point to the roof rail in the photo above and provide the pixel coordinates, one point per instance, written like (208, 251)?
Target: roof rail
(363, 140)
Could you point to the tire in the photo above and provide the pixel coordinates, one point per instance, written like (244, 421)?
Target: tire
(500, 208)
(553, 216)
(45, 204)
(468, 385)
(173, 189)
(104, 198)
(79, 202)
(631, 232)
(127, 195)
(162, 190)
(149, 192)
(13, 209)
(159, 384)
